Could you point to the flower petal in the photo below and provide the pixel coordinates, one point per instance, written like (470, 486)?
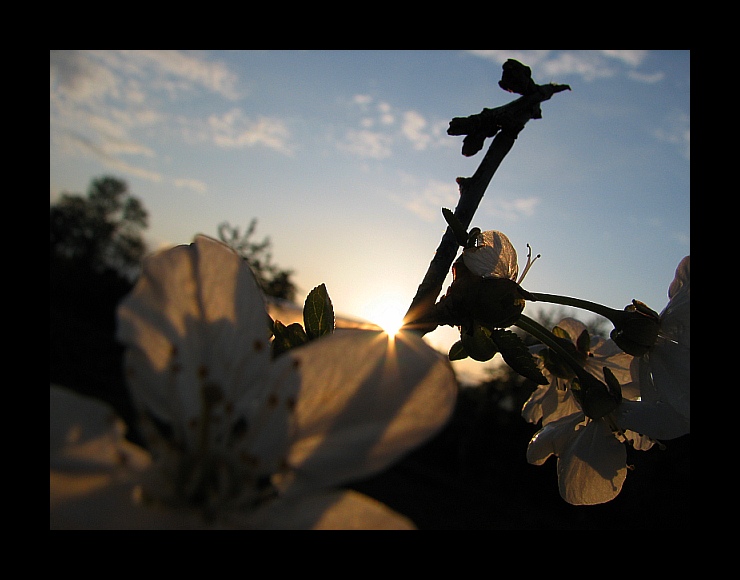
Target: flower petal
(553, 438)
(493, 257)
(366, 399)
(196, 315)
(593, 467)
(337, 510)
(92, 468)
(656, 420)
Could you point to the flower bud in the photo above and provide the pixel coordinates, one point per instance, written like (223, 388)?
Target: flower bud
(636, 328)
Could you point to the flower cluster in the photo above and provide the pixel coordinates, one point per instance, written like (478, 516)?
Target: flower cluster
(599, 395)
(653, 403)
(237, 437)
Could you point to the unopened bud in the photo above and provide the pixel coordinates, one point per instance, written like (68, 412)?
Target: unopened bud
(636, 328)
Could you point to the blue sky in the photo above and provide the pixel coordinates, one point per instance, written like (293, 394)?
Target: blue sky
(344, 160)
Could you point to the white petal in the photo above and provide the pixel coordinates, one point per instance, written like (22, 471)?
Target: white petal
(675, 320)
(665, 376)
(93, 470)
(573, 327)
(656, 420)
(196, 314)
(593, 467)
(366, 399)
(494, 256)
(554, 438)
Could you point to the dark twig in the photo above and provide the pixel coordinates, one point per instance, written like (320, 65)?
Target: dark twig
(504, 124)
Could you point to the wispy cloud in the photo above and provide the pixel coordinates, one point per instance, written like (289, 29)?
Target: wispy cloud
(590, 65)
(104, 104)
(384, 128)
(513, 210)
(366, 144)
(193, 184)
(676, 130)
(426, 200)
(235, 130)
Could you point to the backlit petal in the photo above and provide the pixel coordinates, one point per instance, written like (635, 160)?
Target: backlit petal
(365, 400)
(593, 467)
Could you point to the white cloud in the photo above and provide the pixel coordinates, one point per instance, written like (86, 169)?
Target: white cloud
(386, 115)
(647, 78)
(676, 130)
(513, 210)
(590, 65)
(362, 100)
(365, 143)
(76, 76)
(427, 201)
(235, 130)
(412, 128)
(186, 70)
(630, 57)
(195, 184)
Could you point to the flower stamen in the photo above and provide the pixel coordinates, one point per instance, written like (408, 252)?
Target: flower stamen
(530, 261)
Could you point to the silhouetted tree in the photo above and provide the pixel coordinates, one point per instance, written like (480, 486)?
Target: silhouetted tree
(102, 230)
(95, 252)
(273, 280)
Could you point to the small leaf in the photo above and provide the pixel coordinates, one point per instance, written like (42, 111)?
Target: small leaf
(583, 344)
(457, 351)
(287, 337)
(461, 234)
(318, 313)
(517, 355)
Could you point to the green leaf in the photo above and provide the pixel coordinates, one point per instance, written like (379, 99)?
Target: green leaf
(517, 355)
(461, 234)
(318, 313)
(457, 351)
(287, 337)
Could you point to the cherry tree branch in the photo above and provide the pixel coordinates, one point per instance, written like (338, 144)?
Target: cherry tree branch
(503, 124)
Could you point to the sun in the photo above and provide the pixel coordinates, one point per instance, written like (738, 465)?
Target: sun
(387, 311)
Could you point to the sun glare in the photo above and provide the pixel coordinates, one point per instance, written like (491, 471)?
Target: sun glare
(387, 312)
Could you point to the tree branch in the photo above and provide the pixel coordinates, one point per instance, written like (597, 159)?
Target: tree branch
(504, 124)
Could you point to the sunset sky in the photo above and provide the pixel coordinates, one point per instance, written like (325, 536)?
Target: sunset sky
(343, 159)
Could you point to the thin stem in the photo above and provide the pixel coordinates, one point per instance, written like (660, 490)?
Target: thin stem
(547, 338)
(599, 309)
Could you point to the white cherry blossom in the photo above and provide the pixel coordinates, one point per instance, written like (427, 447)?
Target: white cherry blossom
(235, 438)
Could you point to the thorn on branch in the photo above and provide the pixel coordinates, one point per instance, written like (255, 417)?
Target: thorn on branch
(516, 78)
